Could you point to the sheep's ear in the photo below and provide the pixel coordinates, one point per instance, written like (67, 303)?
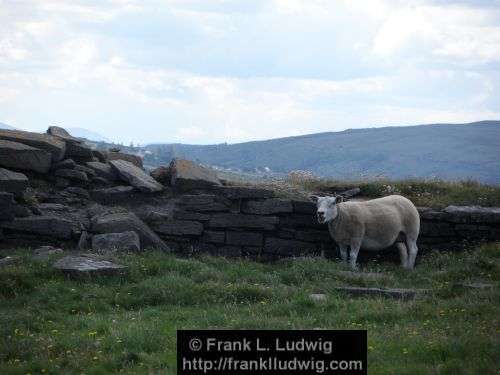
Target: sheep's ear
(339, 199)
(314, 198)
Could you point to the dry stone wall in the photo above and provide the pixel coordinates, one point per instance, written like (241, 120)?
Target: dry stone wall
(238, 221)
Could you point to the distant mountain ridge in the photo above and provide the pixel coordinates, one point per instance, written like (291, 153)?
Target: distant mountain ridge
(5, 126)
(87, 134)
(447, 151)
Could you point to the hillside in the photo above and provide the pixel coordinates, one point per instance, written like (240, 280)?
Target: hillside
(447, 151)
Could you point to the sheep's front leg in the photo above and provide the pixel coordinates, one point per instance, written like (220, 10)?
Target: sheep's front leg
(343, 253)
(355, 245)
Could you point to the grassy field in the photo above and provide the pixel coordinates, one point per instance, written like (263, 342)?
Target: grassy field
(127, 324)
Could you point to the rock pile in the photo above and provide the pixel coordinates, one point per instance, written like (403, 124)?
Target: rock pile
(47, 185)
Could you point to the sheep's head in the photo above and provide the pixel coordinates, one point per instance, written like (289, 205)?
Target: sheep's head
(327, 209)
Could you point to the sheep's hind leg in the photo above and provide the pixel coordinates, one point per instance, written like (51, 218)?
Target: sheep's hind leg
(343, 253)
(411, 244)
(403, 253)
(353, 256)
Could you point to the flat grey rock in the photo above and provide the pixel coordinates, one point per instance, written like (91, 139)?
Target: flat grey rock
(53, 145)
(124, 222)
(13, 182)
(45, 225)
(187, 175)
(136, 177)
(396, 293)
(83, 265)
(17, 155)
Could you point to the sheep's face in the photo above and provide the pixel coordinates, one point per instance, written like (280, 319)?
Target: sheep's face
(327, 209)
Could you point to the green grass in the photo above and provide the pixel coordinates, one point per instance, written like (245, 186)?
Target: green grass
(127, 324)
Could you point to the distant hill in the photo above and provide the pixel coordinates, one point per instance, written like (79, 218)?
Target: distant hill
(5, 126)
(87, 134)
(447, 151)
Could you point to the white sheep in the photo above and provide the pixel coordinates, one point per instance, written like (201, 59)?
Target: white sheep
(371, 225)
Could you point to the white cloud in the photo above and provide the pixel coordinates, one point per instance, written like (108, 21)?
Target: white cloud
(455, 32)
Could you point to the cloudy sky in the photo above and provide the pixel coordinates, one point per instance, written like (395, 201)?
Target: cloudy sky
(206, 71)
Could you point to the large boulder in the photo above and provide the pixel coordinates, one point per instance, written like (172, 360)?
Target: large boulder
(135, 176)
(13, 182)
(17, 155)
(128, 241)
(187, 175)
(52, 226)
(55, 146)
(134, 159)
(103, 170)
(75, 147)
(127, 221)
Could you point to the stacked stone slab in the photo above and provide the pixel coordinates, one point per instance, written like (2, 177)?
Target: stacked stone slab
(236, 221)
(20, 156)
(459, 223)
(46, 142)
